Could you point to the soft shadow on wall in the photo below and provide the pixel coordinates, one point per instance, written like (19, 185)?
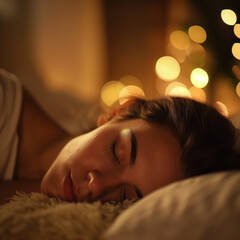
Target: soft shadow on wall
(57, 48)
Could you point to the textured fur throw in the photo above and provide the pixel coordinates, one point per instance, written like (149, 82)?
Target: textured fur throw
(37, 216)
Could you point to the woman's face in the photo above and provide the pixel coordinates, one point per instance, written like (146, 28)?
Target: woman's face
(117, 161)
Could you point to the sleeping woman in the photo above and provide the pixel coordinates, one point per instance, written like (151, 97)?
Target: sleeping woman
(136, 149)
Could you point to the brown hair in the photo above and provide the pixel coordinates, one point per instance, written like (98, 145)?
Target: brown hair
(205, 136)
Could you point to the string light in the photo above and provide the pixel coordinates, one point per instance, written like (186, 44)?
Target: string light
(197, 34)
(199, 77)
(229, 16)
(238, 89)
(222, 108)
(236, 50)
(131, 80)
(236, 71)
(167, 68)
(110, 92)
(179, 40)
(130, 91)
(177, 89)
(198, 94)
(236, 30)
(180, 92)
(172, 86)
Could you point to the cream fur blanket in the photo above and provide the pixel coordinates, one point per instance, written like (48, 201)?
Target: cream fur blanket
(37, 216)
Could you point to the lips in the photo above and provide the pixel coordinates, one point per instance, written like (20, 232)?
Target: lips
(68, 189)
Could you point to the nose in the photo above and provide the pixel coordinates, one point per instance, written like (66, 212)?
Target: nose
(100, 184)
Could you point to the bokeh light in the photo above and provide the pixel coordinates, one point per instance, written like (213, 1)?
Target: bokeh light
(173, 85)
(179, 40)
(238, 89)
(197, 54)
(130, 91)
(236, 50)
(197, 94)
(236, 71)
(131, 80)
(197, 34)
(110, 92)
(222, 108)
(177, 89)
(179, 55)
(199, 77)
(229, 16)
(236, 30)
(167, 68)
(180, 92)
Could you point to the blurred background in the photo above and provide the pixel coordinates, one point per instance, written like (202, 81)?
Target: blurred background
(81, 57)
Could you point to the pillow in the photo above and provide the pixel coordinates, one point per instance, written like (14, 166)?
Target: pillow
(205, 207)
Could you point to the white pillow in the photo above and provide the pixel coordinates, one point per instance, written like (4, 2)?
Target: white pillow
(205, 207)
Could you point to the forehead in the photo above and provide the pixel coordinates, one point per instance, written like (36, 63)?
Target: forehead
(151, 129)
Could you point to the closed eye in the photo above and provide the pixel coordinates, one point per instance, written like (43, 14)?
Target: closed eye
(133, 148)
(113, 152)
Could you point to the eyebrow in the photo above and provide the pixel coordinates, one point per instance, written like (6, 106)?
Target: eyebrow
(133, 149)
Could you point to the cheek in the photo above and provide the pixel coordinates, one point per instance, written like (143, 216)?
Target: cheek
(78, 149)
(88, 152)
(52, 180)
(158, 168)
(60, 168)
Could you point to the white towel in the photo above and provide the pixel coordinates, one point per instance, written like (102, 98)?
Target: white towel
(10, 107)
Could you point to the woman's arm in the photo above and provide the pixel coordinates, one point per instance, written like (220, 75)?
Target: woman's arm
(41, 139)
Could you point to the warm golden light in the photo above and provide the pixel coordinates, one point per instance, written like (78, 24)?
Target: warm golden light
(179, 40)
(236, 71)
(199, 78)
(238, 89)
(110, 92)
(131, 80)
(130, 91)
(167, 68)
(236, 50)
(198, 94)
(173, 85)
(180, 92)
(236, 30)
(197, 54)
(229, 16)
(177, 89)
(179, 55)
(222, 108)
(197, 34)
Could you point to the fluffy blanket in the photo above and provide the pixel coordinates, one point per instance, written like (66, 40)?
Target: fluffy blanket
(37, 216)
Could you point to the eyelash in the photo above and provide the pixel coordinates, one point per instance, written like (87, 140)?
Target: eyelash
(112, 149)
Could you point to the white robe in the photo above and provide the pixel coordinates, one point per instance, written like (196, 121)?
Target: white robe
(10, 107)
